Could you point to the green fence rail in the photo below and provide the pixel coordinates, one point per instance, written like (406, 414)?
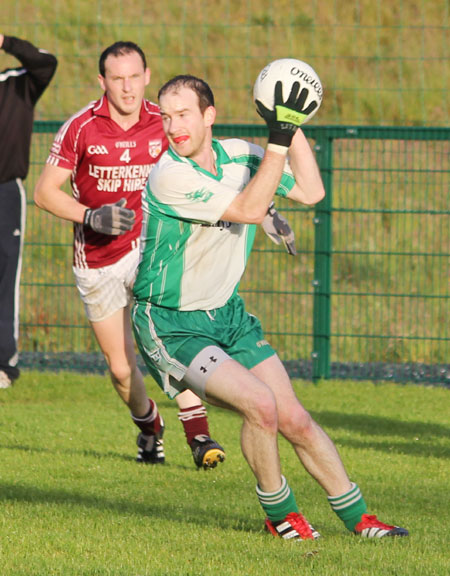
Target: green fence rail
(367, 296)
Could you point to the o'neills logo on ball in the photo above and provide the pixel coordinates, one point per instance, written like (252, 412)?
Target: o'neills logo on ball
(264, 72)
(302, 75)
(154, 148)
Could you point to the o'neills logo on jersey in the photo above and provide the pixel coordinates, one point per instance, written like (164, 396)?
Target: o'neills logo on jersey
(154, 148)
(131, 144)
(97, 149)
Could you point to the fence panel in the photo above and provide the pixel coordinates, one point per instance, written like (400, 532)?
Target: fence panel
(388, 208)
(367, 296)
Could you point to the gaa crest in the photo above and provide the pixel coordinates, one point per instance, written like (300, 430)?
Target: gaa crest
(154, 148)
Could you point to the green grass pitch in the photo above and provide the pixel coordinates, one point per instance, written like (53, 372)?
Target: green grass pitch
(73, 501)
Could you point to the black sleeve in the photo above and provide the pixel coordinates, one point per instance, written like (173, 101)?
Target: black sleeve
(40, 65)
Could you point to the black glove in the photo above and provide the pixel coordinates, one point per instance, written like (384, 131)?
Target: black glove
(278, 230)
(111, 219)
(286, 117)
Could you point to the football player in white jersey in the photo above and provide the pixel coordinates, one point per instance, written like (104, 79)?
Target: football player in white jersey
(201, 204)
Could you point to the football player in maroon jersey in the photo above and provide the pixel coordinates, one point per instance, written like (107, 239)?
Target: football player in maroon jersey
(107, 150)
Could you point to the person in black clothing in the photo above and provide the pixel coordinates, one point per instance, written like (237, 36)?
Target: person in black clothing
(20, 89)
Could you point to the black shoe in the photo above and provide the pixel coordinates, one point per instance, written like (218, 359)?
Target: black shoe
(206, 452)
(151, 448)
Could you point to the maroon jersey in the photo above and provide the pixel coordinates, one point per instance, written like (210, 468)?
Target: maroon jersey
(107, 163)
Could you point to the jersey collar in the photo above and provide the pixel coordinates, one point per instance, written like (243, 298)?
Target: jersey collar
(101, 107)
(221, 158)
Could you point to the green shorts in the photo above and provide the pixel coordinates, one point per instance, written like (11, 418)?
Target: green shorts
(169, 340)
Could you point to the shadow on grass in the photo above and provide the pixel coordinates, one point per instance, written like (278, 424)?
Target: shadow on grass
(419, 438)
(185, 513)
(100, 456)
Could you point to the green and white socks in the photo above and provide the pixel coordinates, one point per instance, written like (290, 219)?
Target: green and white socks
(277, 505)
(349, 506)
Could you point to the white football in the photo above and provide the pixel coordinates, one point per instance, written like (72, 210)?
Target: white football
(288, 70)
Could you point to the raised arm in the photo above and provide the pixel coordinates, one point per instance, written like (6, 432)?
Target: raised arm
(308, 188)
(39, 64)
(251, 205)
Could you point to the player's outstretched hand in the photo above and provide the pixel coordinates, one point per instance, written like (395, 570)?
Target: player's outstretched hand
(278, 230)
(112, 219)
(286, 116)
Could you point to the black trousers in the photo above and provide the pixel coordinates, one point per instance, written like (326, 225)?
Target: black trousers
(12, 232)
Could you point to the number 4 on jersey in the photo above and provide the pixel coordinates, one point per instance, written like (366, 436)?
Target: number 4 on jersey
(126, 156)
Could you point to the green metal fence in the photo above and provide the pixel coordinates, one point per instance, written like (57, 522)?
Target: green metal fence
(367, 296)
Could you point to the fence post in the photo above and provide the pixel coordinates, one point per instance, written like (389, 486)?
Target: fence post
(322, 262)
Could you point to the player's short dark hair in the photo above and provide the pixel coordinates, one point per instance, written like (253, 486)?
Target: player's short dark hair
(197, 85)
(119, 49)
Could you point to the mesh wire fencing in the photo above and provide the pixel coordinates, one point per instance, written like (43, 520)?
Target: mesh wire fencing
(380, 63)
(367, 296)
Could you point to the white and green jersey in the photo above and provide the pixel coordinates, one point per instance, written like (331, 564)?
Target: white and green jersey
(190, 259)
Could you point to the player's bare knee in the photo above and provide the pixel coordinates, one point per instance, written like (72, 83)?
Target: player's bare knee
(262, 410)
(296, 423)
(121, 375)
(268, 420)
